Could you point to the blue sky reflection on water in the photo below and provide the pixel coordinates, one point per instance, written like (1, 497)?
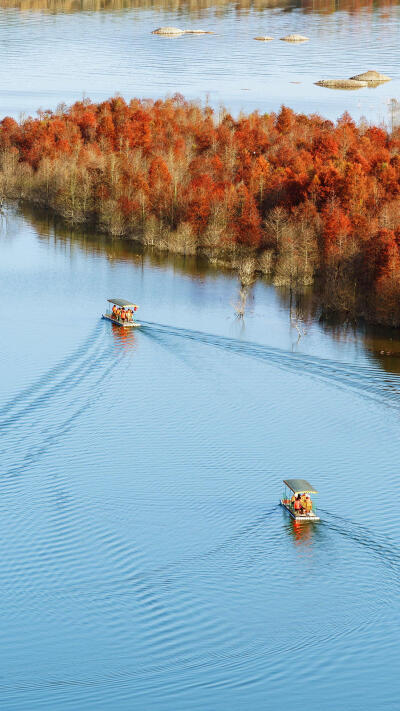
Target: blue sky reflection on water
(51, 58)
(145, 561)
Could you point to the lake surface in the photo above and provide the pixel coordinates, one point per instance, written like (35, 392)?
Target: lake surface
(146, 563)
(52, 52)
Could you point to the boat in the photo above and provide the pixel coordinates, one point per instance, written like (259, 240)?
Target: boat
(122, 304)
(298, 486)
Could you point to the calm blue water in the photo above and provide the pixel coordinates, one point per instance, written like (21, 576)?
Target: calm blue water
(145, 561)
(52, 57)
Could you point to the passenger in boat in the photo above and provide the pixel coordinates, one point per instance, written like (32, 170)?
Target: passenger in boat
(123, 314)
(129, 315)
(297, 504)
(114, 311)
(308, 505)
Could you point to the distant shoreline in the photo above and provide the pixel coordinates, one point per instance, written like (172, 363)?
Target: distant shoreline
(298, 198)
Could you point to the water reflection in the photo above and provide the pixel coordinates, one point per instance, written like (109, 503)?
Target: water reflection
(124, 338)
(303, 310)
(116, 250)
(382, 343)
(55, 51)
(302, 534)
(193, 6)
(156, 572)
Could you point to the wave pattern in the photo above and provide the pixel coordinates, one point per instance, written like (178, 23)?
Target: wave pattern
(59, 397)
(368, 381)
(232, 74)
(158, 573)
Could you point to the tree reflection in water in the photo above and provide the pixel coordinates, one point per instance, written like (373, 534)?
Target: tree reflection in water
(195, 7)
(382, 343)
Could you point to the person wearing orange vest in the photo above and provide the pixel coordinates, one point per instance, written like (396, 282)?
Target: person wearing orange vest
(308, 505)
(297, 504)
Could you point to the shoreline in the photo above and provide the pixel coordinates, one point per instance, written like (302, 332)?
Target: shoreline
(299, 199)
(222, 262)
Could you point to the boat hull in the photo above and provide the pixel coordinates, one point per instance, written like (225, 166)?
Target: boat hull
(123, 324)
(300, 517)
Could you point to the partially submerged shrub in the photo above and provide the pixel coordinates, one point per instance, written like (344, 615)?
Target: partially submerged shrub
(299, 196)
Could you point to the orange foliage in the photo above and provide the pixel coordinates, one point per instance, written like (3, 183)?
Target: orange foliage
(336, 186)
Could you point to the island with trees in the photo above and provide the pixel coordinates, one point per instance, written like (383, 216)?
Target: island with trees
(308, 201)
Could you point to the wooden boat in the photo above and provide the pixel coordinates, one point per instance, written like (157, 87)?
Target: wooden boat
(298, 486)
(123, 305)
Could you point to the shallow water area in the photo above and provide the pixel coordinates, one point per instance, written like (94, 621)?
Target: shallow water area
(54, 52)
(146, 561)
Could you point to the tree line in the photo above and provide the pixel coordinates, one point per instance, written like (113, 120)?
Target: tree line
(309, 201)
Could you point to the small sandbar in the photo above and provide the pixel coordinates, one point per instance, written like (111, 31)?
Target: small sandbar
(294, 38)
(168, 31)
(176, 32)
(372, 77)
(341, 83)
(264, 38)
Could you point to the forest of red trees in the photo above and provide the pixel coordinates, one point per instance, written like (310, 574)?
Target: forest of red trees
(309, 200)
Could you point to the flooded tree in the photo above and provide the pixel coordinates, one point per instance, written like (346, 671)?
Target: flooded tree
(247, 277)
(302, 199)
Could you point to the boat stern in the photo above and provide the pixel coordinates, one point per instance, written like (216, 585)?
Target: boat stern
(299, 517)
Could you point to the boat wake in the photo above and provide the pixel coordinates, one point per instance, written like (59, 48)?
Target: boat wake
(367, 381)
(62, 368)
(173, 624)
(40, 415)
(383, 548)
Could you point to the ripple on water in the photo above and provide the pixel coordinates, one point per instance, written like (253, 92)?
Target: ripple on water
(94, 53)
(145, 561)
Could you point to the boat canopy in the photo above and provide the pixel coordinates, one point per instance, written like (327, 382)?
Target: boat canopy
(300, 486)
(122, 303)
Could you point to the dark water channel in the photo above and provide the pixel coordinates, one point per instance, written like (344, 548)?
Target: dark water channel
(145, 561)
